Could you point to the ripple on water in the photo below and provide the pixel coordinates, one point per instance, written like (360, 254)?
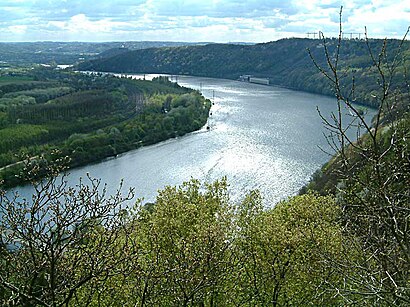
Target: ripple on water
(261, 137)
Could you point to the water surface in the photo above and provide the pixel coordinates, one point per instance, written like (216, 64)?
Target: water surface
(260, 137)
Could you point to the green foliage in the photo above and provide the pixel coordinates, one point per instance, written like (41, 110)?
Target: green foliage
(18, 86)
(111, 114)
(379, 213)
(60, 241)
(184, 244)
(14, 79)
(370, 178)
(194, 247)
(41, 95)
(21, 100)
(3, 120)
(69, 107)
(18, 135)
(374, 196)
(280, 252)
(284, 62)
(29, 53)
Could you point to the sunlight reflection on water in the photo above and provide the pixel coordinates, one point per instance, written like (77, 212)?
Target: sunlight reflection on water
(260, 137)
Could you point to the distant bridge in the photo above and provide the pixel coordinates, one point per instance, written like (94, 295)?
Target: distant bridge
(345, 35)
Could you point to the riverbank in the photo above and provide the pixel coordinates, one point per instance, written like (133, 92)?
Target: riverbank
(284, 62)
(88, 125)
(261, 137)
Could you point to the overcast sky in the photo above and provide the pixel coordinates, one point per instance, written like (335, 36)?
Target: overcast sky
(196, 20)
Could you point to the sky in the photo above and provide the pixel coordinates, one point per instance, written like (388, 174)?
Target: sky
(197, 20)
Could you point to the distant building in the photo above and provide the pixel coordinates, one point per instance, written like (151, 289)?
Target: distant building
(245, 78)
(251, 79)
(259, 80)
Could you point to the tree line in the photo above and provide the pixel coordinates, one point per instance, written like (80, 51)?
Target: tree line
(285, 62)
(347, 243)
(192, 247)
(90, 117)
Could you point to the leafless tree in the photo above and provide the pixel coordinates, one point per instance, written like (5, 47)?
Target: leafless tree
(61, 240)
(373, 168)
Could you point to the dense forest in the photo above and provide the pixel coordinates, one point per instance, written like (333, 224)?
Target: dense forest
(285, 62)
(194, 247)
(88, 117)
(344, 241)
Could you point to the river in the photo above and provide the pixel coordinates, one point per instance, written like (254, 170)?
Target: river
(260, 137)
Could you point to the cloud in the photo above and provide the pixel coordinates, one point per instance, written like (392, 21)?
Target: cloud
(17, 29)
(81, 22)
(218, 9)
(383, 19)
(195, 20)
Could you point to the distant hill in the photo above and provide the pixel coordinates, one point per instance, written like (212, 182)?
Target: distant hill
(23, 53)
(112, 52)
(285, 62)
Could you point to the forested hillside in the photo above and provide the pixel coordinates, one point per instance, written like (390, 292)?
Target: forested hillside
(87, 117)
(69, 53)
(78, 246)
(285, 62)
(363, 256)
